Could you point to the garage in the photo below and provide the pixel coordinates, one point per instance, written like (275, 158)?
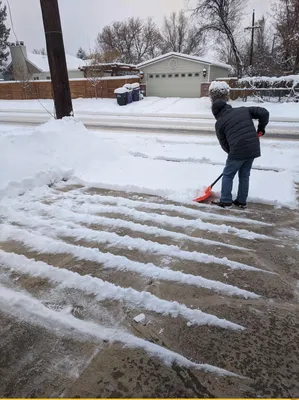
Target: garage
(179, 75)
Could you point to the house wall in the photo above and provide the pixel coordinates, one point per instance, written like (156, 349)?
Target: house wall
(218, 72)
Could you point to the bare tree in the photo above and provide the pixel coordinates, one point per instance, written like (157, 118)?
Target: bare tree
(94, 72)
(22, 74)
(286, 16)
(94, 78)
(133, 39)
(180, 35)
(223, 17)
(40, 51)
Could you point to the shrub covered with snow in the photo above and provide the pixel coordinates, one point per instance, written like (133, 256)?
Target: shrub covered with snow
(288, 81)
(219, 90)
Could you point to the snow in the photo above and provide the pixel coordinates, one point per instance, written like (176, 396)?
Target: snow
(177, 168)
(139, 318)
(184, 56)
(293, 79)
(220, 86)
(29, 309)
(142, 245)
(121, 90)
(135, 85)
(108, 291)
(187, 112)
(41, 62)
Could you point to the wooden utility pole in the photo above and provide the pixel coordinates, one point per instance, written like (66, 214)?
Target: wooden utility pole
(56, 57)
(252, 27)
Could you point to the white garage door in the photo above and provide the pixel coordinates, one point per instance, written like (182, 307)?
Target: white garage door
(174, 84)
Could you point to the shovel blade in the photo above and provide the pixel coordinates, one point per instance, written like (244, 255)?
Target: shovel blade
(205, 196)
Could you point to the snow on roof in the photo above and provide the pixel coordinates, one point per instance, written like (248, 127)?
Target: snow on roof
(41, 62)
(92, 63)
(185, 56)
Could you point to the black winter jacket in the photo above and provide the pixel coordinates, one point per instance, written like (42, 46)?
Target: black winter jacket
(236, 131)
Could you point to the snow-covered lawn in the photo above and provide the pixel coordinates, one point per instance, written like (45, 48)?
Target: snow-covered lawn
(176, 167)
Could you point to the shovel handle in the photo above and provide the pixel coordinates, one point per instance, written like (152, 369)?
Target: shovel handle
(218, 179)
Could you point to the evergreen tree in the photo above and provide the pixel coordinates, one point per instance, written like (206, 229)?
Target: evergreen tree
(81, 53)
(4, 34)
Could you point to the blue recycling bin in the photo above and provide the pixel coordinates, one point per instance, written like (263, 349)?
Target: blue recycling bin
(136, 94)
(129, 96)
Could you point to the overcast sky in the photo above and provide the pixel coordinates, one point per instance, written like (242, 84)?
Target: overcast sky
(83, 19)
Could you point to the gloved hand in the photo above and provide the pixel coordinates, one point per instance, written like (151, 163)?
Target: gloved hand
(260, 132)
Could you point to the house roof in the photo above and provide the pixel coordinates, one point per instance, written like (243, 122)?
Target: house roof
(92, 63)
(41, 62)
(186, 57)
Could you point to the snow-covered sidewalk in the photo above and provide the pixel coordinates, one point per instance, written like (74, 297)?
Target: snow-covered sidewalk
(165, 113)
(176, 167)
(152, 107)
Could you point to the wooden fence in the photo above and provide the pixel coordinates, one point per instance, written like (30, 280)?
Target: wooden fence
(81, 88)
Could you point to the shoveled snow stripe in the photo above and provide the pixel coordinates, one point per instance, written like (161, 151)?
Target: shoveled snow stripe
(103, 237)
(48, 245)
(25, 307)
(67, 215)
(80, 195)
(161, 219)
(108, 291)
(53, 226)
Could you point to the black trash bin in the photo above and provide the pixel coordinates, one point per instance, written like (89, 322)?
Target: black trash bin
(136, 91)
(121, 96)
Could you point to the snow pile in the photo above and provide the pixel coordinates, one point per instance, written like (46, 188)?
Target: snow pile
(219, 90)
(51, 152)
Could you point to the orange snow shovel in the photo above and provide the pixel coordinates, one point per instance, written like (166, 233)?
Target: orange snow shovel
(207, 193)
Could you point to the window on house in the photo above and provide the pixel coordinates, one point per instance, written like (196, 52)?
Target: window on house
(190, 75)
(151, 76)
(157, 76)
(196, 74)
(176, 75)
(48, 77)
(169, 75)
(163, 76)
(183, 75)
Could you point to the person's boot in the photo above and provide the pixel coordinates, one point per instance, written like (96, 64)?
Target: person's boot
(221, 204)
(240, 205)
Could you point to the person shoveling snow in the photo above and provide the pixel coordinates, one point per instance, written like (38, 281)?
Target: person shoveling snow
(238, 137)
